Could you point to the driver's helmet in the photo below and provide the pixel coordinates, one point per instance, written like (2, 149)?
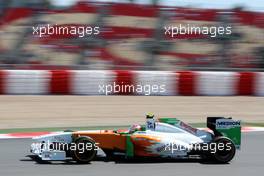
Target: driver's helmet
(149, 115)
(134, 128)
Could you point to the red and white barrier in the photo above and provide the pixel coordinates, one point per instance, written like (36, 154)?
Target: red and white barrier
(158, 78)
(86, 82)
(259, 89)
(123, 82)
(215, 83)
(26, 82)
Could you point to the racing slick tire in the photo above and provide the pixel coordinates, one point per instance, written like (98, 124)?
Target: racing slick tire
(223, 155)
(84, 155)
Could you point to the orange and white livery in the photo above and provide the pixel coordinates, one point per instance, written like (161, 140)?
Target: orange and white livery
(163, 138)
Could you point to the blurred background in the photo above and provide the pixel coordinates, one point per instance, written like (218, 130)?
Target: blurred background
(132, 35)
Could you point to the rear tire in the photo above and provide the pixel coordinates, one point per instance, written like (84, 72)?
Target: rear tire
(226, 155)
(84, 156)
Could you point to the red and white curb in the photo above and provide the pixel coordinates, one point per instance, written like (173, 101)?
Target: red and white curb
(252, 129)
(34, 134)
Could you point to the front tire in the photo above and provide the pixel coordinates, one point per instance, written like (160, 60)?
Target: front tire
(84, 155)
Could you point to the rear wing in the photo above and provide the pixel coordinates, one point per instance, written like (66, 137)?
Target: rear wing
(226, 127)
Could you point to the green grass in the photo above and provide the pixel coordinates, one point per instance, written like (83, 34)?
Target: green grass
(18, 130)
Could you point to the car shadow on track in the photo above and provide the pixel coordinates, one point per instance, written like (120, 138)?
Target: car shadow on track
(118, 160)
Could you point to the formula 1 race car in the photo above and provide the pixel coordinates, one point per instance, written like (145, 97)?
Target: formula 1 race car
(162, 138)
